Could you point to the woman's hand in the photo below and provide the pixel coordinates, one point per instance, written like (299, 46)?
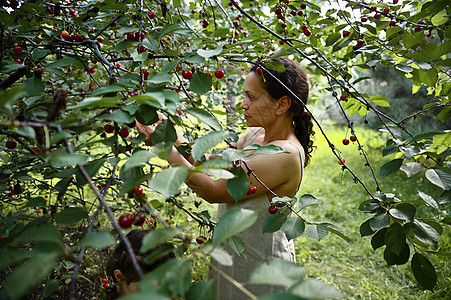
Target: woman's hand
(148, 130)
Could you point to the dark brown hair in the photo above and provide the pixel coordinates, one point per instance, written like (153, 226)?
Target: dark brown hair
(295, 79)
(120, 259)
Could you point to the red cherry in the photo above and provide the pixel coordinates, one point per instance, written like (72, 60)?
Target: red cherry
(107, 285)
(209, 74)
(11, 144)
(219, 74)
(307, 32)
(104, 280)
(279, 10)
(17, 49)
(118, 65)
(341, 161)
(392, 23)
(300, 13)
(99, 39)
(179, 111)
(280, 17)
(187, 74)
(345, 142)
(252, 190)
(346, 33)
(92, 70)
(281, 42)
(343, 98)
(125, 221)
(38, 72)
(417, 29)
(151, 15)
(35, 149)
(205, 23)
(64, 34)
(272, 209)
(109, 128)
(124, 132)
(17, 60)
(284, 25)
(259, 71)
(360, 42)
(377, 16)
(139, 218)
(395, 1)
(201, 239)
(141, 49)
(353, 138)
(138, 191)
(145, 73)
(293, 13)
(386, 10)
(364, 19)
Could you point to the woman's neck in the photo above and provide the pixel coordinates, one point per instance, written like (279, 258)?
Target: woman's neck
(282, 129)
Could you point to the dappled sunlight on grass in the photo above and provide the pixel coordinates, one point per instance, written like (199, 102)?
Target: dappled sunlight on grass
(354, 268)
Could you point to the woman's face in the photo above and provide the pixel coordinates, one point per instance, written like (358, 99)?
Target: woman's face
(259, 108)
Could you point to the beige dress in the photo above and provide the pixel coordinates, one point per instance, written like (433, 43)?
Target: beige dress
(258, 246)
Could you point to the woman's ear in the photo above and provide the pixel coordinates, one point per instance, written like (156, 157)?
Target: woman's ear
(283, 106)
(118, 274)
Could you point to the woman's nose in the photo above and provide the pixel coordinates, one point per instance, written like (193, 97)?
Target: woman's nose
(244, 105)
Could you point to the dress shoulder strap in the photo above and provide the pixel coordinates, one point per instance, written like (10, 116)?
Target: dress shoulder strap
(300, 155)
(250, 136)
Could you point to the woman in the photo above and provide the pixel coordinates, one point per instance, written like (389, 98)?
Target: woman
(280, 119)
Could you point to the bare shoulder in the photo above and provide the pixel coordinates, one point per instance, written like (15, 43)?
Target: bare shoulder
(292, 148)
(246, 135)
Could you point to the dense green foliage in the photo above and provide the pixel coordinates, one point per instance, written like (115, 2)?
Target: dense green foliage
(75, 75)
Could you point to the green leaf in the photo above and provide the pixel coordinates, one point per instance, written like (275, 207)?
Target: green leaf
(379, 221)
(306, 200)
(268, 149)
(379, 100)
(164, 132)
(146, 114)
(138, 158)
(273, 223)
(365, 228)
(205, 117)
(9, 97)
(293, 227)
(440, 18)
(394, 259)
(315, 289)
(423, 271)
(107, 89)
(429, 77)
(63, 62)
(239, 186)
(34, 86)
(159, 77)
(204, 290)
(333, 38)
(60, 136)
(96, 102)
(337, 231)
(63, 159)
(404, 211)
(440, 178)
(318, 231)
(233, 222)
(154, 99)
(276, 271)
(157, 237)
(71, 215)
(91, 168)
(121, 116)
(200, 82)
(36, 201)
(29, 275)
(208, 141)
(236, 244)
(425, 233)
(395, 238)
(50, 287)
(168, 181)
(218, 253)
(390, 167)
(41, 233)
(209, 53)
(411, 168)
(99, 240)
(39, 53)
(378, 240)
(429, 200)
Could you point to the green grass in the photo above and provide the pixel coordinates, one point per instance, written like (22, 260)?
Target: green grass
(354, 268)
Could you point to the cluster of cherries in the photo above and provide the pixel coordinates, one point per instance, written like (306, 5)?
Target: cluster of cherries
(187, 74)
(126, 220)
(110, 129)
